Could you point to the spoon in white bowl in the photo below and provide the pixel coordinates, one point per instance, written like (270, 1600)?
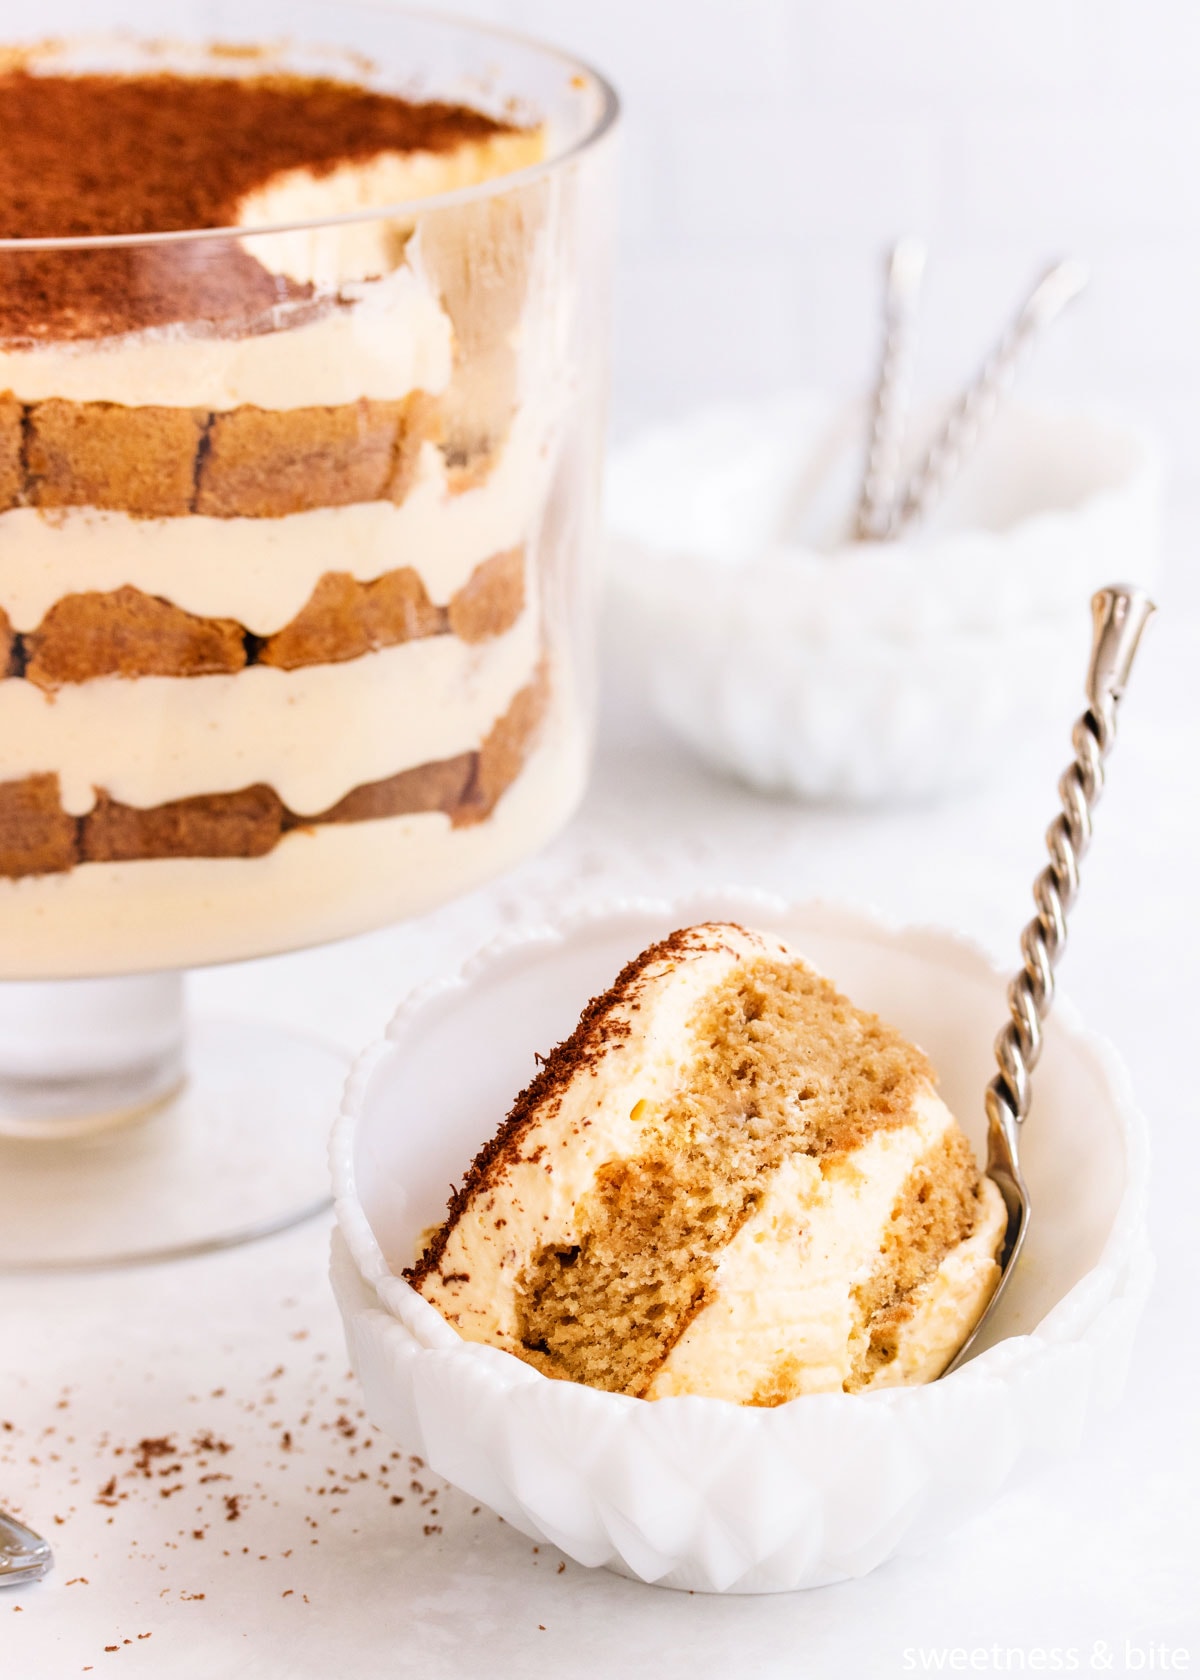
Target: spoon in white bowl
(24, 1555)
(1119, 614)
(983, 397)
(902, 290)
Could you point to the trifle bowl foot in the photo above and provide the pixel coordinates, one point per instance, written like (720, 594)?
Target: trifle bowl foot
(149, 1141)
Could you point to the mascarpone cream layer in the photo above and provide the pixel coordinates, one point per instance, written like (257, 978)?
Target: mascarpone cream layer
(326, 883)
(382, 339)
(333, 255)
(312, 734)
(261, 572)
(785, 1285)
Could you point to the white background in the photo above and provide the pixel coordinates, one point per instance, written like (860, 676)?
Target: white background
(772, 148)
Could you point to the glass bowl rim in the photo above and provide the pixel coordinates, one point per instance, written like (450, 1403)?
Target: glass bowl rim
(604, 121)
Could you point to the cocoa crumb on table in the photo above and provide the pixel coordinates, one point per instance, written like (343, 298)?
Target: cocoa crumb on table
(208, 1442)
(166, 1463)
(150, 1447)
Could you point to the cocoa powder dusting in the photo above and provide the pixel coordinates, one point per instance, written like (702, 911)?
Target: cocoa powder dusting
(103, 155)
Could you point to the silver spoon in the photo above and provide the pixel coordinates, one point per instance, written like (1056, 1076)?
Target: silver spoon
(902, 290)
(1119, 614)
(24, 1555)
(980, 402)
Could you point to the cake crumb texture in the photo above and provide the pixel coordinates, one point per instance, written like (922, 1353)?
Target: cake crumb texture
(12, 469)
(142, 460)
(444, 786)
(248, 463)
(37, 837)
(265, 463)
(505, 748)
(783, 1063)
(248, 823)
(128, 633)
(343, 619)
(492, 598)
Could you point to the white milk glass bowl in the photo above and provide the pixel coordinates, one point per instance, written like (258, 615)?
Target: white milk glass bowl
(805, 664)
(698, 1493)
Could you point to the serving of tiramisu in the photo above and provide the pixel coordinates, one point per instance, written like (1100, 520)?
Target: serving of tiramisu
(728, 1181)
(285, 511)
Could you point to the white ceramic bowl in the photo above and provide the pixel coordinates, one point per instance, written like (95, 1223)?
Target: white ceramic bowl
(699, 1493)
(809, 665)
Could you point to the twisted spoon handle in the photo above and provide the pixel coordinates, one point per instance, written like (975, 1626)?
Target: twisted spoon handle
(1119, 614)
(979, 403)
(906, 266)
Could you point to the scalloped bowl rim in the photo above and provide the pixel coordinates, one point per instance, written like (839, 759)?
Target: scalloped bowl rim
(1145, 466)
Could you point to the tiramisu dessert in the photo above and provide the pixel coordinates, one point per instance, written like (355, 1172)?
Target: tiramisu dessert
(728, 1181)
(282, 513)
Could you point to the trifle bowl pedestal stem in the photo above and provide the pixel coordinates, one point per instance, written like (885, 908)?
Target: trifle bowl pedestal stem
(130, 1133)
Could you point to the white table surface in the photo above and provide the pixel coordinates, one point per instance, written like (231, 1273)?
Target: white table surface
(322, 1574)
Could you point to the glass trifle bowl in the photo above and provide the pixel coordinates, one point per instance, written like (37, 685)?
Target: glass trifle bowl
(298, 498)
